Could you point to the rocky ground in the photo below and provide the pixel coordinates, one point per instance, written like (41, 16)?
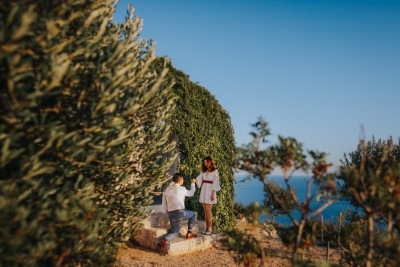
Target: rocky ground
(220, 256)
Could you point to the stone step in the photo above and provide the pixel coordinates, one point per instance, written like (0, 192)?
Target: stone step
(157, 226)
(159, 231)
(156, 220)
(160, 220)
(181, 245)
(149, 238)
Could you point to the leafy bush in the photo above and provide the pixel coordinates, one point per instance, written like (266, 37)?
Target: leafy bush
(373, 163)
(82, 132)
(313, 233)
(354, 239)
(247, 249)
(240, 210)
(250, 212)
(371, 182)
(284, 196)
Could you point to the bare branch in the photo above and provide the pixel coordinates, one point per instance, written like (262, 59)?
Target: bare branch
(383, 159)
(289, 188)
(322, 208)
(360, 202)
(291, 173)
(309, 183)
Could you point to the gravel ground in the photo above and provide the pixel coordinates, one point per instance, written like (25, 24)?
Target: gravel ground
(219, 255)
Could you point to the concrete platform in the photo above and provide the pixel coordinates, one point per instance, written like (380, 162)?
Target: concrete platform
(157, 226)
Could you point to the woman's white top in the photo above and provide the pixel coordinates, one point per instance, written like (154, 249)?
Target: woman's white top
(206, 188)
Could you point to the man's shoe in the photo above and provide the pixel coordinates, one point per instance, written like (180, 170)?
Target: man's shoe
(161, 244)
(191, 235)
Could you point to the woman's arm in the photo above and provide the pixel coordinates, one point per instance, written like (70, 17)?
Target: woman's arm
(199, 180)
(215, 185)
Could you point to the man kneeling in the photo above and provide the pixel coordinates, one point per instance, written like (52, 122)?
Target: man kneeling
(173, 203)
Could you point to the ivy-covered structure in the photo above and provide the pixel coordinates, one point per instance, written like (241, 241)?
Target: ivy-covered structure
(204, 129)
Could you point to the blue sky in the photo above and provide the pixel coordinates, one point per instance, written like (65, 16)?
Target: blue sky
(316, 70)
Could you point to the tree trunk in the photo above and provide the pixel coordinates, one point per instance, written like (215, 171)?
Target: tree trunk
(370, 250)
(298, 238)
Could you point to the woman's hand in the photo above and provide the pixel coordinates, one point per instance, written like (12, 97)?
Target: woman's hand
(212, 197)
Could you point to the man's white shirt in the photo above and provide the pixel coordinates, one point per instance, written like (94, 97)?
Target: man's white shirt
(174, 199)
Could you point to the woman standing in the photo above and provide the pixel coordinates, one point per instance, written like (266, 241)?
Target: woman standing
(208, 180)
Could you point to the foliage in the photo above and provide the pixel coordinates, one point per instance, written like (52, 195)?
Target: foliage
(247, 248)
(240, 210)
(380, 160)
(204, 129)
(82, 132)
(310, 263)
(251, 212)
(325, 230)
(354, 239)
(314, 232)
(288, 155)
(371, 181)
(285, 197)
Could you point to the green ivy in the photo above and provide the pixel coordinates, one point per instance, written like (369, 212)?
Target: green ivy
(204, 129)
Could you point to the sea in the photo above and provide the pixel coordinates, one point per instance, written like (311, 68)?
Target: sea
(248, 190)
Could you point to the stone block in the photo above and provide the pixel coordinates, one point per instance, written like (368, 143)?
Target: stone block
(157, 225)
(153, 220)
(156, 232)
(163, 220)
(197, 227)
(180, 246)
(183, 246)
(201, 224)
(159, 232)
(146, 223)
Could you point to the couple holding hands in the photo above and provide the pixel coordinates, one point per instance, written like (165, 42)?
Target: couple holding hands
(173, 201)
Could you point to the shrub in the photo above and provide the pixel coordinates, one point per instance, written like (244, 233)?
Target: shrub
(284, 196)
(374, 160)
(354, 239)
(240, 210)
(82, 132)
(371, 181)
(288, 155)
(246, 247)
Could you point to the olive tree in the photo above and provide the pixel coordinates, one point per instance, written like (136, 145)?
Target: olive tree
(371, 182)
(259, 160)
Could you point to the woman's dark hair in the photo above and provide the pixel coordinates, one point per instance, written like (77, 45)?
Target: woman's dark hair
(204, 168)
